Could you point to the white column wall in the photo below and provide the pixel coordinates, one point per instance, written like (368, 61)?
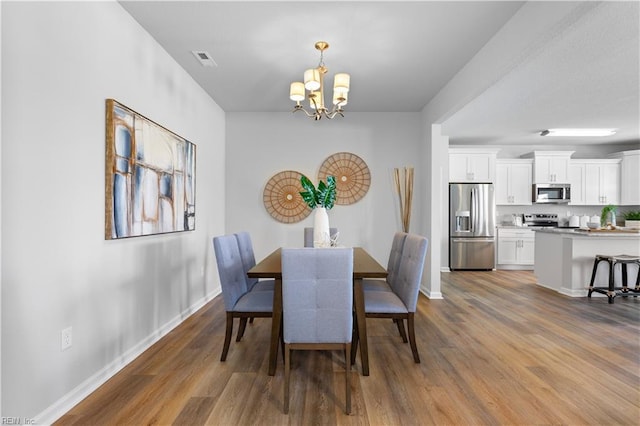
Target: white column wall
(60, 61)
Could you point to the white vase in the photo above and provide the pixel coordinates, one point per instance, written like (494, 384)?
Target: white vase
(321, 236)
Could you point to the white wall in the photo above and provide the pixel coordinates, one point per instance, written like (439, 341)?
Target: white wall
(60, 62)
(259, 145)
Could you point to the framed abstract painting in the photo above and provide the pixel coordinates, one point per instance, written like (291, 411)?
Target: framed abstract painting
(149, 177)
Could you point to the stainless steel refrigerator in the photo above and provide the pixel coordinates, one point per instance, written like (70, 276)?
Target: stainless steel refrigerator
(472, 230)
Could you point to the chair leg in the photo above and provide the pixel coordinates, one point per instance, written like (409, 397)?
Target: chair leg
(347, 379)
(412, 337)
(251, 320)
(281, 338)
(593, 276)
(243, 326)
(400, 323)
(227, 336)
(287, 374)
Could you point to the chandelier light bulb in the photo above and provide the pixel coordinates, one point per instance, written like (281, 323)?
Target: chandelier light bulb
(312, 79)
(341, 82)
(296, 92)
(340, 97)
(317, 97)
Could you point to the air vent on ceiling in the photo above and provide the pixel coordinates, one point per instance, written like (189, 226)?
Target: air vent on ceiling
(205, 58)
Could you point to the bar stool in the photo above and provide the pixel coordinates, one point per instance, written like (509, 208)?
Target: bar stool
(611, 290)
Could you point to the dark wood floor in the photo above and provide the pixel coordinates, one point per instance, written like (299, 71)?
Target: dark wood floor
(497, 350)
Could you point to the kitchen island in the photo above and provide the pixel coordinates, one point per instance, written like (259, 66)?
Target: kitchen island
(564, 257)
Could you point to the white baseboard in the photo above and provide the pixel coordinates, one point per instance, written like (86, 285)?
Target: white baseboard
(431, 294)
(574, 292)
(514, 267)
(84, 389)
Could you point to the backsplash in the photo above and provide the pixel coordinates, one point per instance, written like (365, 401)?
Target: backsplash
(504, 213)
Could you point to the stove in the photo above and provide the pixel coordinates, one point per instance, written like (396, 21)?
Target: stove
(541, 220)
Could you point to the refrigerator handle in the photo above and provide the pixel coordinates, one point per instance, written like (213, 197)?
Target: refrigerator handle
(474, 211)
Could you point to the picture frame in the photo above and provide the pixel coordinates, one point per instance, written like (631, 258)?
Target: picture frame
(149, 176)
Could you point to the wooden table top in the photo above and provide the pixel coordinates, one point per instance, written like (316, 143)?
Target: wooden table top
(364, 266)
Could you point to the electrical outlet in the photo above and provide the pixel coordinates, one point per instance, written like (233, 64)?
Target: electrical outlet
(66, 338)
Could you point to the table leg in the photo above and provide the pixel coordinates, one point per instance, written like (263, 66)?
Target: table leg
(358, 301)
(276, 320)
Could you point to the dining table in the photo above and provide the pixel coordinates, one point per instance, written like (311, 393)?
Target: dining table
(364, 266)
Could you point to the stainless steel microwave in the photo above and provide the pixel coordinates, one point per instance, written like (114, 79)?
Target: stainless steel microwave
(551, 193)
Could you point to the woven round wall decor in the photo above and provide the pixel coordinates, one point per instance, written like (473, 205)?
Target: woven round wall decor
(281, 197)
(352, 176)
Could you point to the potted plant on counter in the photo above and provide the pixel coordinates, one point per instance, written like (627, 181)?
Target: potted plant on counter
(320, 199)
(608, 216)
(632, 219)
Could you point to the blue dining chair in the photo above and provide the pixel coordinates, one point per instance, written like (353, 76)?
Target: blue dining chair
(249, 261)
(317, 306)
(239, 300)
(400, 303)
(373, 284)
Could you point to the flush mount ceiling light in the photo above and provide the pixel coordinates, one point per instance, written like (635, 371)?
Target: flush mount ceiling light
(314, 84)
(578, 132)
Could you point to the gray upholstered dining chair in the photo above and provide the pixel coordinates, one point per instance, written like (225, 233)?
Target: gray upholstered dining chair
(372, 284)
(239, 301)
(400, 303)
(249, 261)
(317, 306)
(308, 235)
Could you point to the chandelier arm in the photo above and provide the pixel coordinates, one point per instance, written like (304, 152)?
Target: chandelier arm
(334, 112)
(301, 108)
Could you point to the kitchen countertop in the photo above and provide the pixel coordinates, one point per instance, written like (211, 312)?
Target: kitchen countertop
(578, 232)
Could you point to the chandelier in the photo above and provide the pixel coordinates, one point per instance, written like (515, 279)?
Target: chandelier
(314, 84)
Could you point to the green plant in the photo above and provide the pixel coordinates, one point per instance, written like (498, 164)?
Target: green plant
(632, 215)
(323, 196)
(609, 208)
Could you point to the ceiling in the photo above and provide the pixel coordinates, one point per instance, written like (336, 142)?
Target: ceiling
(402, 54)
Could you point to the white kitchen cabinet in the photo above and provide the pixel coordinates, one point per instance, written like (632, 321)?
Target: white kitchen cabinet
(516, 248)
(513, 182)
(602, 183)
(594, 182)
(551, 166)
(577, 181)
(472, 165)
(629, 177)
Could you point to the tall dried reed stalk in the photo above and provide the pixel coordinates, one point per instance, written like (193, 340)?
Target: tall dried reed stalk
(404, 188)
